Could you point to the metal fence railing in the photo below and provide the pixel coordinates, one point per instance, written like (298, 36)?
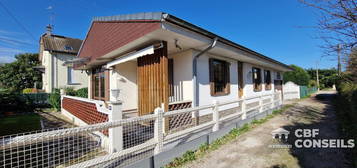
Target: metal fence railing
(307, 91)
(128, 140)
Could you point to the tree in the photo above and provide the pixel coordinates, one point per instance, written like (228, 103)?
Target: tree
(20, 74)
(327, 77)
(352, 64)
(337, 21)
(299, 76)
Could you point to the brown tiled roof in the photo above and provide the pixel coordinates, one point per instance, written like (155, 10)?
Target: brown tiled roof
(56, 43)
(104, 37)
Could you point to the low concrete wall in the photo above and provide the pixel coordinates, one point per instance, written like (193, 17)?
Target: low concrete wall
(193, 142)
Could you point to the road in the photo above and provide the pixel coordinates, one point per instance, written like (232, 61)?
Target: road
(253, 149)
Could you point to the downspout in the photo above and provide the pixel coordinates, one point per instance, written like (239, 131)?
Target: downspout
(195, 83)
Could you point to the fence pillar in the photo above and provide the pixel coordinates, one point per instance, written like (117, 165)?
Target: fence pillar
(280, 98)
(272, 101)
(260, 104)
(243, 110)
(116, 139)
(159, 130)
(195, 118)
(215, 116)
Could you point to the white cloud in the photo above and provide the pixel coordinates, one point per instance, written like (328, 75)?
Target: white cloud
(7, 59)
(7, 54)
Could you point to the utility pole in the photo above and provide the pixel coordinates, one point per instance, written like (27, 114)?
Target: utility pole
(339, 59)
(317, 76)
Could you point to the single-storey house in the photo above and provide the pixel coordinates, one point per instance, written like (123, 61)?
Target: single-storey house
(55, 50)
(158, 60)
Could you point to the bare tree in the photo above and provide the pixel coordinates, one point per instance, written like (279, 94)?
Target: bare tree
(337, 25)
(338, 21)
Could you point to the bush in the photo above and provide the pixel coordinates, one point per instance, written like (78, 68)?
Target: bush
(11, 101)
(70, 91)
(27, 90)
(83, 92)
(346, 108)
(55, 99)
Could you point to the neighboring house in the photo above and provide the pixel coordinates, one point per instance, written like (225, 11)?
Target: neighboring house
(157, 59)
(54, 51)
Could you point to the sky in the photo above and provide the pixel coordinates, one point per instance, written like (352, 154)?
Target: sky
(280, 29)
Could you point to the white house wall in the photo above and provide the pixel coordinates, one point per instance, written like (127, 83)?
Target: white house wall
(124, 77)
(56, 74)
(205, 97)
(61, 73)
(204, 92)
(46, 76)
(183, 86)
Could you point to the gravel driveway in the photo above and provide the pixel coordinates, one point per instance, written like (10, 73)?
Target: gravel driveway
(251, 150)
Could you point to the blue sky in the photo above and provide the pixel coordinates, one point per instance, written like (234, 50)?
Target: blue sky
(280, 29)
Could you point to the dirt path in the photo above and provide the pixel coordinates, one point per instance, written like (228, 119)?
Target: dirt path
(251, 150)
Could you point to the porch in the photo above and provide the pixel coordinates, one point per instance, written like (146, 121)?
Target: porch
(151, 77)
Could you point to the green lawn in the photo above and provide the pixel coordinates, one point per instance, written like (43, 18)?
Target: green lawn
(19, 124)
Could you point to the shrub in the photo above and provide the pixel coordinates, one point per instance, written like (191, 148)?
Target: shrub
(27, 90)
(70, 91)
(55, 99)
(83, 92)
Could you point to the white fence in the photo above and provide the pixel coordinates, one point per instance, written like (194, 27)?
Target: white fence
(291, 91)
(136, 138)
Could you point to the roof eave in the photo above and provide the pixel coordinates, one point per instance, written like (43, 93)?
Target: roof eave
(192, 27)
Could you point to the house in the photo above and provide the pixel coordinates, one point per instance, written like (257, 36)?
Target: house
(54, 51)
(158, 60)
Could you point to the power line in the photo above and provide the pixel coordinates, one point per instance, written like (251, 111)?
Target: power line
(17, 21)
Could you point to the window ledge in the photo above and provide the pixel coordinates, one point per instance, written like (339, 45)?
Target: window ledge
(73, 83)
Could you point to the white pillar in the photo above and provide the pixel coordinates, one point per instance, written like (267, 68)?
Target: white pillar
(243, 110)
(116, 141)
(260, 104)
(159, 130)
(215, 116)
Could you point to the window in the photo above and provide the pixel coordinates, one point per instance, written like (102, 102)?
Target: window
(71, 79)
(267, 79)
(219, 77)
(257, 79)
(278, 75)
(99, 85)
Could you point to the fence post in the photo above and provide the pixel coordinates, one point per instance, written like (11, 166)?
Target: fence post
(272, 101)
(260, 104)
(159, 130)
(280, 98)
(215, 115)
(62, 93)
(243, 110)
(116, 141)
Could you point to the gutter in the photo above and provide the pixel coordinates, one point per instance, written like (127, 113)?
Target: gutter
(194, 65)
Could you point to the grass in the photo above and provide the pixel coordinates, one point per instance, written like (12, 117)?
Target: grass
(204, 149)
(19, 124)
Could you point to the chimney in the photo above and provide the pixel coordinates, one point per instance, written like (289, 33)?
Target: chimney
(49, 30)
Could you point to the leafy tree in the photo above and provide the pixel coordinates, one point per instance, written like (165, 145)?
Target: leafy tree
(352, 64)
(20, 74)
(299, 76)
(327, 77)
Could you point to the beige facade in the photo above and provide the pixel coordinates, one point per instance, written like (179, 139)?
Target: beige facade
(56, 75)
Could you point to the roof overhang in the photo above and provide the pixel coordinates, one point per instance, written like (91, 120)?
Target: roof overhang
(189, 36)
